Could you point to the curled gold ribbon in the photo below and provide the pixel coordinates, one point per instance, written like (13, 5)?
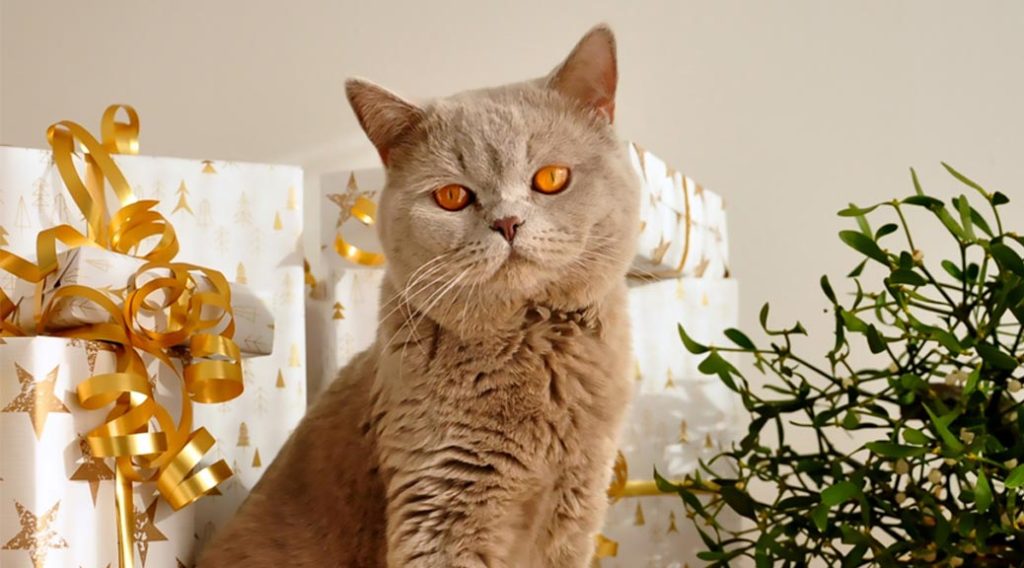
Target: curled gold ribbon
(168, 453)
(605, 547)
(365, 211)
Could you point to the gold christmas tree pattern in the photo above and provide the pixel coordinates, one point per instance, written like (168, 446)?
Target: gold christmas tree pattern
(37, 535)
(183, 200)
(36, 399)
(92, 469)
(146, 531)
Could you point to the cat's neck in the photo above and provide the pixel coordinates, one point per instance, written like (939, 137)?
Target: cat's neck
(489, 316)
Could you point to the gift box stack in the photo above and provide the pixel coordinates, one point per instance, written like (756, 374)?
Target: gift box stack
(680, 275)
(125, 353)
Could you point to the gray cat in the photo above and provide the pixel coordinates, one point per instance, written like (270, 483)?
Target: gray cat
(480, 428)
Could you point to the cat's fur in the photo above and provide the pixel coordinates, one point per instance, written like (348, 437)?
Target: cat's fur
(480, 428)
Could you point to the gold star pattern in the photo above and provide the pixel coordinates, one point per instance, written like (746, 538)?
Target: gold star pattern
(658, 252)
(37, 534)
(36, 398)
(92, 469)
(146, 531)
(701, 267)
(346, 201)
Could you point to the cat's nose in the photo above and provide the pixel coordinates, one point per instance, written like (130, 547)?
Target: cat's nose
(507, 226)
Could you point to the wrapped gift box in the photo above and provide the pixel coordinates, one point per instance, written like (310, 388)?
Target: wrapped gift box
(682, 224)
(56, 499)
(110, 273)
(244, 220)
(678, 417)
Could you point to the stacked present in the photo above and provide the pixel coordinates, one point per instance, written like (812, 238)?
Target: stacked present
(122, 320)
(680, 274)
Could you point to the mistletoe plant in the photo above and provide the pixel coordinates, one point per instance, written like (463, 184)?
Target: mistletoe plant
(914, 458)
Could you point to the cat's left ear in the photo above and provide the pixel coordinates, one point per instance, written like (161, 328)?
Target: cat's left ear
(590, 73)
(384, 116)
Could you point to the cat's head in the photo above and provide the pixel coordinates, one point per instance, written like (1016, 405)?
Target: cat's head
(506, 196)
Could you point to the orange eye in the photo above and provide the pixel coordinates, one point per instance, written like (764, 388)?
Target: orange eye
(453, 197)
(551, 179)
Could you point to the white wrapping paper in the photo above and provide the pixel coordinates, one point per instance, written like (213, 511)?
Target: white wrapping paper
(682, 224)
(678, 415)
(56, 500)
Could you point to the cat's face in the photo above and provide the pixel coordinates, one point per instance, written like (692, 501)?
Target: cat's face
(515, 194)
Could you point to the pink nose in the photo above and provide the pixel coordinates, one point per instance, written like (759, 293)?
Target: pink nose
(507, 227)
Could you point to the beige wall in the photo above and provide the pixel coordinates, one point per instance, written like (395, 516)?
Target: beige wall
(790, 109)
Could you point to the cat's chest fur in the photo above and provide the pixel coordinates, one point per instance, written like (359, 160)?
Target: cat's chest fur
(532, 393)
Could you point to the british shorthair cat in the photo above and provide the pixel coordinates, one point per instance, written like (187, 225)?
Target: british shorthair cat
(480, 428)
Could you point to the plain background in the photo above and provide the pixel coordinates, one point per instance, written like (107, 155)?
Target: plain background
(789, 109)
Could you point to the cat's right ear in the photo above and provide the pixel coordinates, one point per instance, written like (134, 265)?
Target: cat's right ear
(383, 115)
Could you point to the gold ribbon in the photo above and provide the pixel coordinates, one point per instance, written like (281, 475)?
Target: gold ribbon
(621, 486)
(365, 210)
(168, 453)
(605, 547)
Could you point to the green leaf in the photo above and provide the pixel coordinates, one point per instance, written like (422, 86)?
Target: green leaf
(999, 199)
(1006, 258)
(820, 517)
(664, 485)
(840, 493)
(714, 364)
(691, 345)
(739, 338)
(923, 201)
(864, 245)
(763, 315)
(915, 436)
(948, 221)
(972, 381)
(917, 184)
(891, 450)
(965, 180)
(953, 270)
(965, 216)
(995, 357)
(850, 421)
(1015, 478)
(857, 269)
(852, 322)
(854, 211)
(942, 427)
(908, 277)
(982, 492)
(886, 229)
(826, 287)
(980, 222)
(875, 342)
(739, 501)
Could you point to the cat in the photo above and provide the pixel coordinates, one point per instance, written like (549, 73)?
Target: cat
(480, 429)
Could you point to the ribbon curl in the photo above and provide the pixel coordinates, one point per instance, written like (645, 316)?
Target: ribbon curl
(365, 211)
(182, 295)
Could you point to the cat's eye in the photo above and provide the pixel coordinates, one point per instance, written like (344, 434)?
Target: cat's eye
(453, 197)
(551, 179)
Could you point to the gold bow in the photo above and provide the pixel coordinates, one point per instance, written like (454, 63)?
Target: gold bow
(365, 211)
(168, 453)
